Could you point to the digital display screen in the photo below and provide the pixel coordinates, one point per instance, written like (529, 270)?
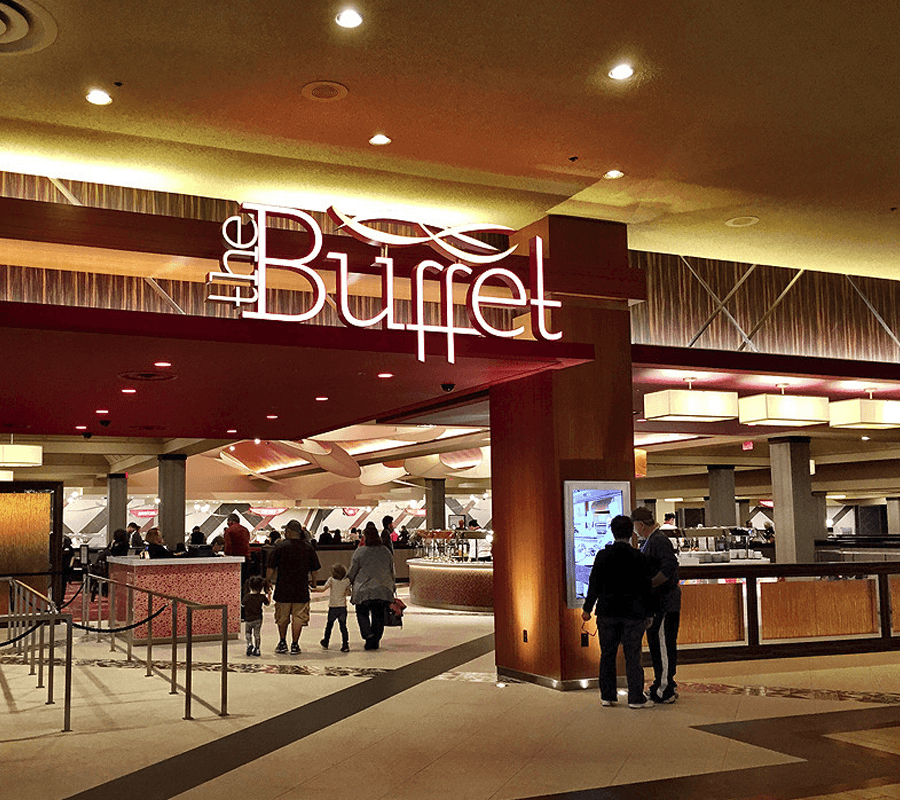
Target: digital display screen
(589, 508)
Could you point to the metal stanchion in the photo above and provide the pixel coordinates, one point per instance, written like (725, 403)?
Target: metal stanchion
(224, 711)
(149, 635)
(50, 664)
(113, 623)
(31, 611)
(188, 653)
(85, 594)
(40, 682)
(129, 620)
(99, 610)
(67, 708)
(174, 687)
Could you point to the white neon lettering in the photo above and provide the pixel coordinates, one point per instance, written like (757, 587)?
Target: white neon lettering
(387, 295)
(538, 301)
(474, 301)
(248, 247)
(298, 265)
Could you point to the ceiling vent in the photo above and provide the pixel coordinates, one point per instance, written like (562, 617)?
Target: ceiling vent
(25, 27)
(323, 91)
(147, 377)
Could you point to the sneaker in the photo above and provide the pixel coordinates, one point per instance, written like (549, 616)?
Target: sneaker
(607, 702)
(249, 649)
(256, 651)
(345, 648)
(324, 644)
(281, 647)
(645, 704)
(669, 700)
(295, 649)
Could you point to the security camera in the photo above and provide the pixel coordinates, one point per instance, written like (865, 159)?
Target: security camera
(87, 434)
(448, 387)
(104, 423)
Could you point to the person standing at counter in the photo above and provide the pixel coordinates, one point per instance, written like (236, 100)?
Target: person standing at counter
(662, 635)
(620, 587)
(292, 568)
(387, 533)
(237, 538)
(372, 576)
(134, 535)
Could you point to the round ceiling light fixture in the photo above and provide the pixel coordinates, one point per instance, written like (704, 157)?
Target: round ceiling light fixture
(621, 72)
(98, 97)
(379, 139)
(324, 91)
(25, 27)
(614, 174)
(349, 18)
(741, 222)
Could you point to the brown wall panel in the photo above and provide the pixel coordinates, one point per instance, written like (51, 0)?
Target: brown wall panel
(795, 609)
(711, 613)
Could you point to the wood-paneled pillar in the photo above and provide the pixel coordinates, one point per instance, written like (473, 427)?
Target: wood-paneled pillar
(893, 516)
(572, 424)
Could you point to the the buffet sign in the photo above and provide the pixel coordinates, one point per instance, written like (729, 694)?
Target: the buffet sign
(246, 262)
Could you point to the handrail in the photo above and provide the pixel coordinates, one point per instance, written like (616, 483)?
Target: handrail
(30, 611)
(190, 607)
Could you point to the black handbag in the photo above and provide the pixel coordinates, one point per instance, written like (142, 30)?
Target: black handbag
(393, 614)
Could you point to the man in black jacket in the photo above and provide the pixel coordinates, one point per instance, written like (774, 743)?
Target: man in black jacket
(662, 635)
(620, 586)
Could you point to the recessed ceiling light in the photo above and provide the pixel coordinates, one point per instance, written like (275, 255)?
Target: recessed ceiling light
(741, 222)
(256, 441)
(129, 391)
(102, 411)
(379, 139)
(271, 416)
(348, 18)
(98, 97)
(162, 364)
(385, 374)
(231, 447)
(865, 438)
(81, 427)
(613, 174)
(321, 399)
(621, 72)
(232, 430)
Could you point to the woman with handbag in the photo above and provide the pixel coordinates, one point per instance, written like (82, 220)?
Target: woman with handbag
(372, 575)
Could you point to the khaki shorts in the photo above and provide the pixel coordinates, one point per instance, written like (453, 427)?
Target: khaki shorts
(299, 612)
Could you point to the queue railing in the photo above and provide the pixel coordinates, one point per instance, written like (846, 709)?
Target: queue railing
(31, 624)
(91, 582)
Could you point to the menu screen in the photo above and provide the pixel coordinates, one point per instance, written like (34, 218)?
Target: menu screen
(589, 508)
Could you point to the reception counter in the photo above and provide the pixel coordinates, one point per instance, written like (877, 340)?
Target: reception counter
(454, 585)
(210, 581)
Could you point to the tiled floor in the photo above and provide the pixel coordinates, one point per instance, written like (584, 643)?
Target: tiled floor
(424, 718)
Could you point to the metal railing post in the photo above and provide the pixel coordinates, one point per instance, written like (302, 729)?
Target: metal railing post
(51, 659)
(40, 683)
(173, 689)
(67, 706)
(113, 624)
(224, 711)
(129, 620)
(31, 611)
(149, 635)
(85, 592)
(188, 654)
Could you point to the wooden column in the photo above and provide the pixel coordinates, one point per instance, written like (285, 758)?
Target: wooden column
(172, 494)
(573, 424)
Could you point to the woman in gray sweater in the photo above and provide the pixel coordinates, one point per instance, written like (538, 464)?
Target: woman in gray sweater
(372, 575)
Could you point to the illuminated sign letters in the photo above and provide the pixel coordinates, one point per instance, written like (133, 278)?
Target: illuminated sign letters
(246, 262)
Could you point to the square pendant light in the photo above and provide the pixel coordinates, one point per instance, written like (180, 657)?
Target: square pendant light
(21, 455)
(865, 413)
(687, 405)
(783, 409)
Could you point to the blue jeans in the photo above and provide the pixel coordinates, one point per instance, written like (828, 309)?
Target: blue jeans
(337, 614)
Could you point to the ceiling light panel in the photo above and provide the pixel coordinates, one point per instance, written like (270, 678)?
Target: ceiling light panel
(687, 405)
(786, 410)
(865, 414)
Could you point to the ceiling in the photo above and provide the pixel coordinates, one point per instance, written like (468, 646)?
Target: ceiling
(498, 112)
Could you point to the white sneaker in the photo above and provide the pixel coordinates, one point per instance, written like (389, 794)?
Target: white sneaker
(645, 704)
(607, 702)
